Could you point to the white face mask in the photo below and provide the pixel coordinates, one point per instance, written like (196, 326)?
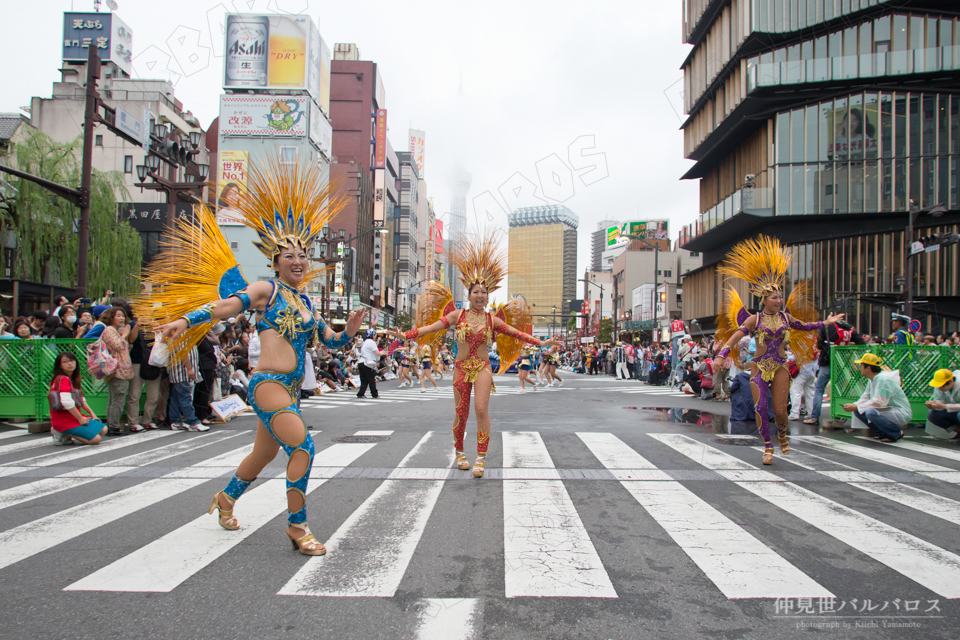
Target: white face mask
(71, 319)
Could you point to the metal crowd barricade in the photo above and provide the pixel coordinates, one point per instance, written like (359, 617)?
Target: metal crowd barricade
(916, 365)
(26, 369)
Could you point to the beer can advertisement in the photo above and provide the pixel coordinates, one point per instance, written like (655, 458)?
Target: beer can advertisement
(272, 52)
(231, 181)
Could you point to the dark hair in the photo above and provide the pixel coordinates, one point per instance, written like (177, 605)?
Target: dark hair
(49, 326)
(64, 310)
(107, 316)
(39, 314)
(58, 369)
(242, 364)
(222, 200)
(873, 367)
(21, 323)
(864, 124)
(123, 304)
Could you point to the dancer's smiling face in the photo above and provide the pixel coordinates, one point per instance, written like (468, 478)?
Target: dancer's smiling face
(291, 264)
(478, 297)
(773, 302)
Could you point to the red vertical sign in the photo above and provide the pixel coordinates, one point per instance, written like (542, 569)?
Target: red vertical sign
(438, 237)
(380, 153)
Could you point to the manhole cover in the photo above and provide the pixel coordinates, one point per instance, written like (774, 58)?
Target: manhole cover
(741, 441)
(361, 439)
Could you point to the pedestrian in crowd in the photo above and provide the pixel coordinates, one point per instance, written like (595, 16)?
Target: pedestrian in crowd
(704, 367)
(802, 390)
(75, 421)
(184, 374)
(138, 360)
(240, 378)
(207, 359)
(943, 419)
(37, 319)
(23, 330)
(620, 360)
(839, 334)
(631, 353)
(5, 327)
(49, 328)
(369, 364)
(900, 333)
(690, 383)
(84, 322)
(883, 407)
(60, 301)
(114, 337)
(96, 329)
(67, 328)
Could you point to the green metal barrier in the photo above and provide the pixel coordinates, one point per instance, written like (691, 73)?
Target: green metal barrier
(26, 370)
(916, 365)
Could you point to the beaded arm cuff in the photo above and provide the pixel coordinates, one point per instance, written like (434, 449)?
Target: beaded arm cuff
(333, 342)
(519, 335)
(202, 315)
(244, 298)
(446, 323)
(410, 335)
(724, 352)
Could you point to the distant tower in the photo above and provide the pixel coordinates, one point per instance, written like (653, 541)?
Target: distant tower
(460, 185)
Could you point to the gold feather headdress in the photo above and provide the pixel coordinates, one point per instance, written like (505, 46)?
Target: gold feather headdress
(288, 204)
(761, 261)
(481, 260)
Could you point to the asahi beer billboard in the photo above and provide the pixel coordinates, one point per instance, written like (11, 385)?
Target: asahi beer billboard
(273, 52)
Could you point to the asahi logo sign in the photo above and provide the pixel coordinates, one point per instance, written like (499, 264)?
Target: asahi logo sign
(247, 51)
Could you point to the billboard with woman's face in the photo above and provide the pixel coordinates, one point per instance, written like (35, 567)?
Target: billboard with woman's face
(852, 132)
(231, 180)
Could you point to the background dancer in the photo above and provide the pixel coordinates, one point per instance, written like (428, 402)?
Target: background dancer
(526, 362)
(426, 364)
(763, 263)
(482, 268)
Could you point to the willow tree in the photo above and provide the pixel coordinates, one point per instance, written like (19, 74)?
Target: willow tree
(46, 226)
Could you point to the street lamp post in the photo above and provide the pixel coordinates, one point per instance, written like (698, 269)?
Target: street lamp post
(585, 281)
(935, 211)
(553, 325)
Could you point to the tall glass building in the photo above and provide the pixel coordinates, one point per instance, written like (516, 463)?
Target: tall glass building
(825, 123)
(543, 261)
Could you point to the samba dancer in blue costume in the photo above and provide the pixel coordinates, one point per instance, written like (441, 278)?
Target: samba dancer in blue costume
(287, 206)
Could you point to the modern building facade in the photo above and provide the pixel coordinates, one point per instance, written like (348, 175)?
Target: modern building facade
(543, 259)
(598, 244)
(828, 124)
(407, 242)
(644, 270)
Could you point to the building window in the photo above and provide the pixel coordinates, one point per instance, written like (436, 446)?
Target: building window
(98, 140)
(234, 246)
(128, 164)
(288, 155)
(668, 274)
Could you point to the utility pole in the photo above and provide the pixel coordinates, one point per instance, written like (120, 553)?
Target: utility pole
(89, 118)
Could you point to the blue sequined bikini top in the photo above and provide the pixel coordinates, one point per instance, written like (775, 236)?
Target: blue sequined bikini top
(283, 314)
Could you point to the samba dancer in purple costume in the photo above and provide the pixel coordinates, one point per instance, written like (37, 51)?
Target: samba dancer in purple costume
(763, 263)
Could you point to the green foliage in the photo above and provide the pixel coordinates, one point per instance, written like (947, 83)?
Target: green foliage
(572, 324)
(404, 321)
(44, 224)
(605, 331)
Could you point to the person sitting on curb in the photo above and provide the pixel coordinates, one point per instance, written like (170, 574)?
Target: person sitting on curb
(883, 408)
(75, 421)
(943, 421)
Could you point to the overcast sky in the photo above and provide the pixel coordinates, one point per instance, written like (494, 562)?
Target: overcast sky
(496, 86)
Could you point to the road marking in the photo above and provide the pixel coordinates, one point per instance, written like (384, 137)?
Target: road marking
(739, 564)
(369, 553)
(39, 535)
(449, 619)
(83, 451)
(927, 449)
(14, 434)
(47, 486)
(164, 564)
(922, 562)
(547, 550)
(877, 454)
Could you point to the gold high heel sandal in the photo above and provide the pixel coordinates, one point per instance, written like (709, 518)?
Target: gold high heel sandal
(784, 443)
(478, 467)
(227, 521)
(462, 462)
(768, 455)
(308, 545)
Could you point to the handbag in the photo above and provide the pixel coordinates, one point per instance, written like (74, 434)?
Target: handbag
(53, 397)
(100, 362)
(159, 354)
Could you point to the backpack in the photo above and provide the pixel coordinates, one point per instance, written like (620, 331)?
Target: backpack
(100, 362)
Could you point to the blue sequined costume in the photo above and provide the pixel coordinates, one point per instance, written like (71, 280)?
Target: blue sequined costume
(283, 316)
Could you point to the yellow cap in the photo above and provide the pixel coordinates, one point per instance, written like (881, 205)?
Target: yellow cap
(941, 377)
(869, 358)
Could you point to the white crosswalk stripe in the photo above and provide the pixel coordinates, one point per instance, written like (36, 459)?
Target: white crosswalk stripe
(548, 549)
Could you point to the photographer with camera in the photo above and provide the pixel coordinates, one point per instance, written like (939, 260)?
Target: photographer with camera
(840, 333)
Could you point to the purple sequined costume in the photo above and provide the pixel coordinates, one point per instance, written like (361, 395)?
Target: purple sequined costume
(772, 331)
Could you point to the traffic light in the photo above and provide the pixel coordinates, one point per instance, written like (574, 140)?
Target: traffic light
(339, 312)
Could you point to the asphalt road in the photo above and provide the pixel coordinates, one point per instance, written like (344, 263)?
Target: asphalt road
(609, 510)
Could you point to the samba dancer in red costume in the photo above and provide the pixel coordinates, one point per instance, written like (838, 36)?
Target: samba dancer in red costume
(482, 268)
